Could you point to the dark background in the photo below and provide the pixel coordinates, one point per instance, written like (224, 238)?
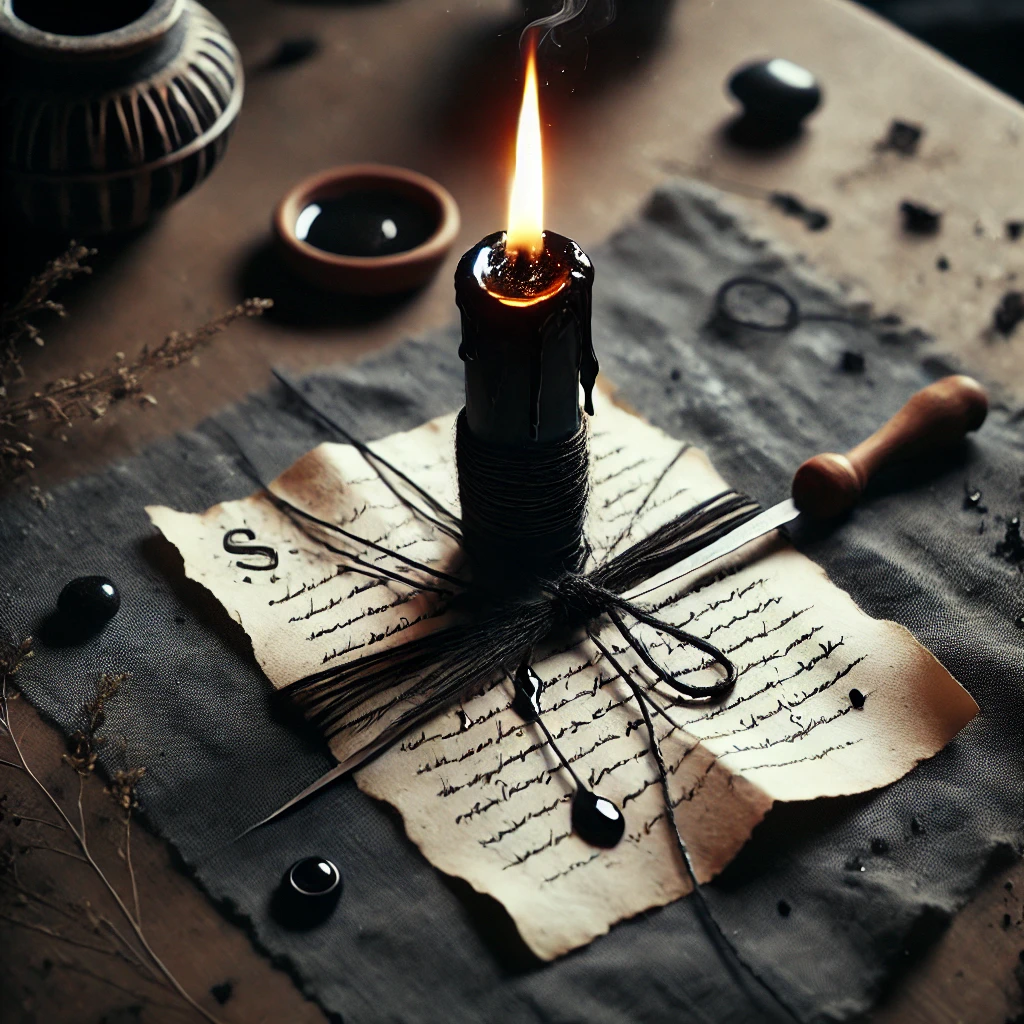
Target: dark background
(986, 36)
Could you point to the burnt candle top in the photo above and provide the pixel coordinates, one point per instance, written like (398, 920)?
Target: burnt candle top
(511, 294)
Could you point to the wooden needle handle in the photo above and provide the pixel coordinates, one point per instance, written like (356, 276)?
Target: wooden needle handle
(937, 416)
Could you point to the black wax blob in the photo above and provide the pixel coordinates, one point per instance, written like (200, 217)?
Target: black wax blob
(857, 699)
(596, 820)
(367, 222)
(776, 90)
(308, 894)
(89, 602)
(525, 703)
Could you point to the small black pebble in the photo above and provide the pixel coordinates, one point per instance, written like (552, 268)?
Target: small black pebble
(942, 264)
(879, 846)
(784, 908)
(89, 601)
(676, 374)
(1014, 230)
(903, 138)
(776, 91)
(857, 699)
(222, 992)
(1007, 920)
(852, 362)
(1009, 313)
(294, 51)
(917, 826)
(919, 219)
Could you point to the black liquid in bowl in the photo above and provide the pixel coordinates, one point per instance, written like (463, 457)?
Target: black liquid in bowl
(366, 222)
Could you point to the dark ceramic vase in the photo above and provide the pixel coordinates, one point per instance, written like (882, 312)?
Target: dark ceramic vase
(111, 110)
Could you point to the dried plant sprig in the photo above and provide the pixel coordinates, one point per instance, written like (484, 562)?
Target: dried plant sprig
(90, 394)
(16, 318)
(83, 744)
(139, 952)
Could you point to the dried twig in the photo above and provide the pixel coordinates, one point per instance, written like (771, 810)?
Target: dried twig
(88, 394)
(83, 760)
(16, 325)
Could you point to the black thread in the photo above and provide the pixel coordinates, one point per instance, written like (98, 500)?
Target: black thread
(523, 509)
(790, 317)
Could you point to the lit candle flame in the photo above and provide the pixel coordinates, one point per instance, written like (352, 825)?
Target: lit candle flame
(526, 204)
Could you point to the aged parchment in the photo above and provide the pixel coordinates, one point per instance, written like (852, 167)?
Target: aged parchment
(482, 795)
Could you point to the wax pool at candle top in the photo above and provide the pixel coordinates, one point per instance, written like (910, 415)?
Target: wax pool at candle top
(368, 222)
(520, 280)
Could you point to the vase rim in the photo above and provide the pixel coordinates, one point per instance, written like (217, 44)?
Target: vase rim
(136, 35)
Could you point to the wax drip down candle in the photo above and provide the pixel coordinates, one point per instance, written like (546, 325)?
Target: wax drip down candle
(525, 299)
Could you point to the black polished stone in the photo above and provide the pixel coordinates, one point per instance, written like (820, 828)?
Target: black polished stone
(367, 222)
(776, 91)
(314, 877)
(596, 820)
(308, 894)
(89, 602)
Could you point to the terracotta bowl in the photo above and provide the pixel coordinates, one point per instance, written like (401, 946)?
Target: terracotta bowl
(367, 275)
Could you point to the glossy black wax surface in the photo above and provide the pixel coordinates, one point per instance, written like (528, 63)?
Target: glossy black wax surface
(596, 820)
(525, 363)
(776, 90)
(366, 222)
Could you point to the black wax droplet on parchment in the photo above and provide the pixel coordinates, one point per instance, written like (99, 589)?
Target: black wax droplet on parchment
(596, 820)
(857, 699)
(526, 702)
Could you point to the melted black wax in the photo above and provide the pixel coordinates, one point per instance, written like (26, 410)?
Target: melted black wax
(486, 272)
(595, 819)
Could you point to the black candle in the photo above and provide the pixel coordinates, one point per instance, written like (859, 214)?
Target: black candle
(526, 340)
(525, 298)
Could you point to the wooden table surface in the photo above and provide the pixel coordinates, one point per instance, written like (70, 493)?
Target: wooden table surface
(429, 84)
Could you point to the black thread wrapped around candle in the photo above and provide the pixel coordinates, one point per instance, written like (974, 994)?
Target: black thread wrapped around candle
(526, 340)
(523, 509)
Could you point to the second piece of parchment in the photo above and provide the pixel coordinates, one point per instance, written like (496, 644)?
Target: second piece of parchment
(483, 795)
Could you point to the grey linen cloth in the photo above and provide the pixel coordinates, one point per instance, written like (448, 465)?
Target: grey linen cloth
(409, 944)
